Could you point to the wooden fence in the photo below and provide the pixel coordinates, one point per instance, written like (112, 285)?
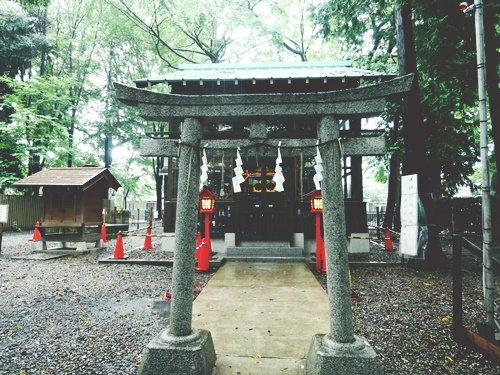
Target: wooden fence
(23, 212)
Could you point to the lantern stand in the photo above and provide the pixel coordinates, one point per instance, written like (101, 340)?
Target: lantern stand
(207, 206)
(317, 208)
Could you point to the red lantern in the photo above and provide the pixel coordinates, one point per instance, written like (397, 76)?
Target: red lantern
(316, 201)
(207, 201)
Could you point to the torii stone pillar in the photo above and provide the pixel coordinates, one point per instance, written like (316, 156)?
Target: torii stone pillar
(180, 349)
(340, 351)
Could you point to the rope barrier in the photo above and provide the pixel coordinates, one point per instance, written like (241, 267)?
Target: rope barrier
(372, 238)
(260, 144)
(377, 227)
(147, 235)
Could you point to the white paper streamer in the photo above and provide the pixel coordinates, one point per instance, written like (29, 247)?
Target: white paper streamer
(238, 178)
(204, 170)
(278, 178)
(318, 177)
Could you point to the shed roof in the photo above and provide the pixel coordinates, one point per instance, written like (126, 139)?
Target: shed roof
(263, 71)
(83, 177)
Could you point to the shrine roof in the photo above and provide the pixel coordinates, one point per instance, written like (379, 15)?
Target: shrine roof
(263, 71)
(77, 177)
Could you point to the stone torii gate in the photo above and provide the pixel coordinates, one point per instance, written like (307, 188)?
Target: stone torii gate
(181, 349)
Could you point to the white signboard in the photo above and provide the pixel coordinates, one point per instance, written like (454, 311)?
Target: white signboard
(4, 213)
(409, 215)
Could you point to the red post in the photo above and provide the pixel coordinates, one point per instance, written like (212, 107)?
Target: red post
(207, 233)
(323, 257)
(317, 208)
(318, 243)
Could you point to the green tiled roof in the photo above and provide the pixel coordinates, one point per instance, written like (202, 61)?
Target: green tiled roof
(262, 71)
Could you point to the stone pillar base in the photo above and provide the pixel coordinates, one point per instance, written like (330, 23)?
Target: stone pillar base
(327, 357)
(167, 354)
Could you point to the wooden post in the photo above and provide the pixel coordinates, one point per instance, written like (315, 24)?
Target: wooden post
(1, 234)
(378, 222)
(458, 329)
(4, 214)
(138, 217)
(115, 213)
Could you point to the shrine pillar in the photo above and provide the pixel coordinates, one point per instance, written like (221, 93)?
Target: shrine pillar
(339, 351)
(180, 349)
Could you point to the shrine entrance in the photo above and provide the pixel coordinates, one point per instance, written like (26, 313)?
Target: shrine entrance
(250, 100)
(264, 213)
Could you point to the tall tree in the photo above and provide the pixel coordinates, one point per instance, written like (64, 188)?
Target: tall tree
(41, 114)
(19, 44)
(365, 29)
(186, 32)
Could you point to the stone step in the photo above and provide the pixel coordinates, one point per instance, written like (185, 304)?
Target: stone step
(263, 259)
(265, 251)
(264, 244)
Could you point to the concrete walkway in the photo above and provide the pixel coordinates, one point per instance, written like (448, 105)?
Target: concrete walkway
(262, 317)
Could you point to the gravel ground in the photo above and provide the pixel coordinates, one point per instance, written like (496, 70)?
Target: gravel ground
(406, 315)
(72, 315)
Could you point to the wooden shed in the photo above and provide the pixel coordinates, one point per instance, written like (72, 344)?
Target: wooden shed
(73, 198)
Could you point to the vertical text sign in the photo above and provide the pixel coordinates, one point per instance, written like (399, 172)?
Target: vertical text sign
(409, 215)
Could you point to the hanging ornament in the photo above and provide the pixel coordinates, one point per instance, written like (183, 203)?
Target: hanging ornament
(222, 175)
(318, 177)
(204, 169)
(238, 178)
(278, 178)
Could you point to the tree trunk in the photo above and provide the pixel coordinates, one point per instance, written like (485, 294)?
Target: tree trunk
(394, 183)
(108, 149)
(411, 109)
(43, 56)
(414, 143)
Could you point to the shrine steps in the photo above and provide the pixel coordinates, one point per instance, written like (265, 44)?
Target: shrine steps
(265, 251)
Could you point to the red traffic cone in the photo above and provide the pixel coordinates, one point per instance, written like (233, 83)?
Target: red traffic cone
(198, 246)
(203, 258)
(36, 233)
(103, 233)
(147, 242)
(388, 242)
(119, 248)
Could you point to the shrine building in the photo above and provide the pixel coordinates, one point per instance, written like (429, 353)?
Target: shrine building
(279, 111)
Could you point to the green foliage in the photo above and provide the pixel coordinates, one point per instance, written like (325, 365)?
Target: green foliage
(365, 29)
(40, 119)
(19, 42)
(42, 3)
(444, 41)
(14, 227)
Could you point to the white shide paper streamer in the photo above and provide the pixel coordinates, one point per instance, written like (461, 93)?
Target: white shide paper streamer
(278, 176)
(204, 170)
(318, 177)
(238, 178)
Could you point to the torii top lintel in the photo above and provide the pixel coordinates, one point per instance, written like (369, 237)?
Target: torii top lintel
(359, 102)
